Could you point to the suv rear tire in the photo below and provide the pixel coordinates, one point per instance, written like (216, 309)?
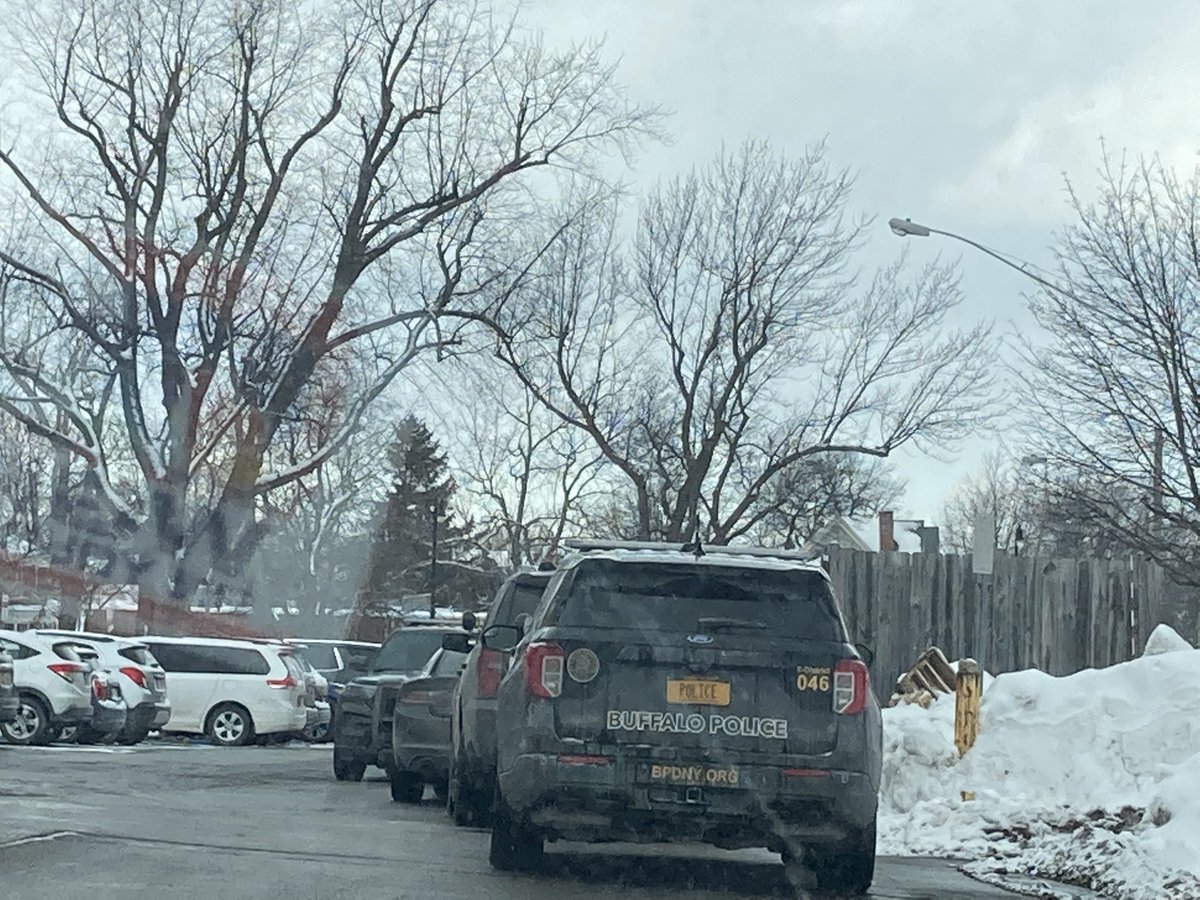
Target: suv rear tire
(848, 867)
(465, 802)
(515, 847)
(32, 725)
(347, 769)
(407, 787)
(229, 725)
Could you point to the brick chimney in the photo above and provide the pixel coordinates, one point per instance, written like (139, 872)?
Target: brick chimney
(887, 532)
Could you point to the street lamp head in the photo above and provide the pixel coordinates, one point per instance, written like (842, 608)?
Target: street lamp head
(907, 228)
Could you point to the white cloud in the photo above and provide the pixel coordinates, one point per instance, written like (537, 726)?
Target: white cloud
(1146, 106)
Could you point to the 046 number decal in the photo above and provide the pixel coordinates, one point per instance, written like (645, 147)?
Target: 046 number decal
(812, 679)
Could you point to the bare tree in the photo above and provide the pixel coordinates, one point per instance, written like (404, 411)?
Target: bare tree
(1002, 492)
(239, 199)
(729, 344)
(1115, 391)
(530, 477)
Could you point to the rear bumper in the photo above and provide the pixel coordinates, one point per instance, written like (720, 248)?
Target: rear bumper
(618, 802)
(108, 717)
(431, 763)
(280, 719)
(357, 739)
(148, 716)
(73, 715)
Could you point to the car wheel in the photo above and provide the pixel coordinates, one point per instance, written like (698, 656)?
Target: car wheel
(230, 725)
(514, 847)
(407, 787)
(847, 868)
(128, 736)
(465, 802)
(347, 769)
(32, 724)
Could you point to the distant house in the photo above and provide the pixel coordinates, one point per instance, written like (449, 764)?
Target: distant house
(882, 534)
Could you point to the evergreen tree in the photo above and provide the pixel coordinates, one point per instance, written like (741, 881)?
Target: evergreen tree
(402, 548)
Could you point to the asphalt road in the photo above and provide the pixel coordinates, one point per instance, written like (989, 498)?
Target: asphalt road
(192, 821)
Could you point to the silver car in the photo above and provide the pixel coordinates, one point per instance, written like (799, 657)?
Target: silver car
(141, 680)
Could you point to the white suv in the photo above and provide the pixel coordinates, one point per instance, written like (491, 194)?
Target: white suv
(142, 680)
(53, 687)
(232, 691)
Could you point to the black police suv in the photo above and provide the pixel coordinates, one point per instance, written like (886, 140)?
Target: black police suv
(668, 694)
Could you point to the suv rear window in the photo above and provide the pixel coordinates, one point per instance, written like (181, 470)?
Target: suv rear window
(139, 655)
(681, 597)
(321, 656)
(408, 650)
(522, 599)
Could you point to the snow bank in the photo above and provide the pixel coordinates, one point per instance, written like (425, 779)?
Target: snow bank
(1092, 778)
(1165, 639)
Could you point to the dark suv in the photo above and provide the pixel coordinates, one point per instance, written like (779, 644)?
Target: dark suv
(9, 702)
(662, 694)
(473, 709)
(362, 728)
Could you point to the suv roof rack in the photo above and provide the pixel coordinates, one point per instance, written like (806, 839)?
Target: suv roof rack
(584, 546)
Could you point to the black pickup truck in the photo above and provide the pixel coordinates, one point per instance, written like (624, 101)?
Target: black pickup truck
(362, 732)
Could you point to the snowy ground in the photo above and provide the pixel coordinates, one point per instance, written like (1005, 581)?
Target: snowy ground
(1092, 779)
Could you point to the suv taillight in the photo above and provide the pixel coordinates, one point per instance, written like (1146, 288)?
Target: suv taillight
(489, 666)
(281, 683)
(850, 685)
(544, 663)
(66, 670)
(137, 676)
(99, 688)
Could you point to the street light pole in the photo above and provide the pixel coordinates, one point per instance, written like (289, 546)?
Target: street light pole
(909, 228)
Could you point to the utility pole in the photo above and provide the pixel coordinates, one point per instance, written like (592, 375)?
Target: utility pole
(433, 560)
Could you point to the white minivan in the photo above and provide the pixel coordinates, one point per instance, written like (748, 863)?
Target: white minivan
(233, 691)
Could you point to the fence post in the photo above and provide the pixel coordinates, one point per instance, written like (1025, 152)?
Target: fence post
(968, 692)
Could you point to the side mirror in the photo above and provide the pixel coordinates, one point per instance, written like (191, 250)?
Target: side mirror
(867, 654)
(468, 621)
(458, 643)
(501, 637)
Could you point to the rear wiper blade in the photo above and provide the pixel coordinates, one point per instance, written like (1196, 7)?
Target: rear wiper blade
(726, 622)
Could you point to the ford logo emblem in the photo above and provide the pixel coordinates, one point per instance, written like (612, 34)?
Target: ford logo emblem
(700, 639)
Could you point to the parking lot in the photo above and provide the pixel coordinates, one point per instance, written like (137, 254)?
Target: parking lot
(191, 820)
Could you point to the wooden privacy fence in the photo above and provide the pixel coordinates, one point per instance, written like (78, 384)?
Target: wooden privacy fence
(1057, 615)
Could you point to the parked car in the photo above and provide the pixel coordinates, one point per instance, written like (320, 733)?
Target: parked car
(231, 690)
(53, 687)
(109, 710)
(421, 728)
(362, 732)
(338, 661)
(472, 781)
(318, 708)
(141, 679)
(666, 694)
(9, 704)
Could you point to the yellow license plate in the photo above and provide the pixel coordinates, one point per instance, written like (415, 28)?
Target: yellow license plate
(693, 690)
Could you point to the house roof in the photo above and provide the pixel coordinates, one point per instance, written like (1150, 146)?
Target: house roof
(863, 534)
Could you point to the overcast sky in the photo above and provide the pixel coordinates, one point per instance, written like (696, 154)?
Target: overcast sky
(964, 116)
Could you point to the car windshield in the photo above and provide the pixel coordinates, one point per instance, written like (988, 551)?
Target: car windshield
(699, 598)
(449, 663)
(408, 650)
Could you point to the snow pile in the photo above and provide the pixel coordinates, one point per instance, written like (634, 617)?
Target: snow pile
(1093, 779)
